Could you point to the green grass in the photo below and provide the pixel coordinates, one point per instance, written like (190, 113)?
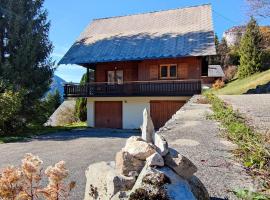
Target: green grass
(252, 150)
(241, 86)
(41, 130)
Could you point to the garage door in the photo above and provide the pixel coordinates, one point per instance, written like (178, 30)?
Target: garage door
(162, 111)
(108, 114)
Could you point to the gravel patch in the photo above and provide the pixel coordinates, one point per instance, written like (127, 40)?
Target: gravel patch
(254, 107)
(196, 137)
(78, 148)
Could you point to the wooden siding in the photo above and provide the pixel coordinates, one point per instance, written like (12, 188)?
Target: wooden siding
(187, 68)
(148, 70)
(130, 70)
(162, 111)
(108, 114)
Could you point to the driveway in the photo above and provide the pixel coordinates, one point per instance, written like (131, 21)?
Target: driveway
(254, 107)
(78, 148)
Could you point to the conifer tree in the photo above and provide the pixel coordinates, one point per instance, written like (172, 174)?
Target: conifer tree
(250, 50)
(25, 64)
(81, 103)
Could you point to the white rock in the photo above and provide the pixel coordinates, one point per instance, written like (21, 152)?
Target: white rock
(126, 163)
(161, 144)
(147, 127)
(96, 180)
(139, 149)
(155, 160)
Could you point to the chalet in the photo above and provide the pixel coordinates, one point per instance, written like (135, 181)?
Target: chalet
(153, 60)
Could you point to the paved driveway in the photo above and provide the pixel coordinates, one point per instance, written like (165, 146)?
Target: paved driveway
(78, 148)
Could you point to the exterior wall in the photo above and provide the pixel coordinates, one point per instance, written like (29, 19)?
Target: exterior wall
(147, 70)
(132, 108)
(132, 113)
(130, 70)
(90, 113)
(187, 68)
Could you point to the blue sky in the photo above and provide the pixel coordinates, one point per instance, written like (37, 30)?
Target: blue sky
(69, 18)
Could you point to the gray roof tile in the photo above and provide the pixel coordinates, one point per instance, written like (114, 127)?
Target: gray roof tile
(164, 34)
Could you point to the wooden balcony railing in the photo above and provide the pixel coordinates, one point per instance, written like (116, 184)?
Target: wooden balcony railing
(136, 88)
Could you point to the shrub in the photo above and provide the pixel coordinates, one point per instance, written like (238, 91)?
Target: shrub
(218, 84)
(24, 183)
(10, 104)
(230, 73)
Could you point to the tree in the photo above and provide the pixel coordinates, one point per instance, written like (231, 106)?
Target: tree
(259, 7)
(223, 51)
(250, 50)
(25, 63)
(215, 60)
(81, 103)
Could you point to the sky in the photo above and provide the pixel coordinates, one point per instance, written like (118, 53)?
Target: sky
(70, 17)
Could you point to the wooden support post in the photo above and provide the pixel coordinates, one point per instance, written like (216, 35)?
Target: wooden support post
(87, 75)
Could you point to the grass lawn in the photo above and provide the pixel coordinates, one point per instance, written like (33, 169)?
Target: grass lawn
(242, 86)
(41, 130)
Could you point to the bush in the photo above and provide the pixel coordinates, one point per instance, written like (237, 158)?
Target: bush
(24, 183)
(10, 104)
(230, 73)
(218, 84)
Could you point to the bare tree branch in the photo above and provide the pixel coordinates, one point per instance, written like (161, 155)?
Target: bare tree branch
(259, 8)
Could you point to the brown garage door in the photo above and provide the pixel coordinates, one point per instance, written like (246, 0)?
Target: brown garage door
(108, 114)
(162, 111)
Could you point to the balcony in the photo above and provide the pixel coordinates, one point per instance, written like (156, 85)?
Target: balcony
(136, 88)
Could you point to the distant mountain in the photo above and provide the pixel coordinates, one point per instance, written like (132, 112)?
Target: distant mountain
(57, 84)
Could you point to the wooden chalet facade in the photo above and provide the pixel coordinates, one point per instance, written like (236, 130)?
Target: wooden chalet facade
(152, 60)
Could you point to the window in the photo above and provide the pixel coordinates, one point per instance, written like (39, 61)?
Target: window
(168, 71)
(115, 77)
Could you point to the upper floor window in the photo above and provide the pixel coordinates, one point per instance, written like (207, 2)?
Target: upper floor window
(168, 71)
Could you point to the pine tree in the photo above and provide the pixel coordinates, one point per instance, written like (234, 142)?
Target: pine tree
(25, 65)
(250, 50)
(223, 51)
(81, 103)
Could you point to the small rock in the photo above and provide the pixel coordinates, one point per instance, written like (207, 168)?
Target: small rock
(180, 164)
(139, 149)
(155, 160)
(126, 163)
(161, 144)
(147, 128)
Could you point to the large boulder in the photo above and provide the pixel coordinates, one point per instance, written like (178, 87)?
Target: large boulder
(116, 182)
(198, 189)
(147, 127)
(96, 176)
(139, 148)
(126, 163)
(180, 164)
(162, 184)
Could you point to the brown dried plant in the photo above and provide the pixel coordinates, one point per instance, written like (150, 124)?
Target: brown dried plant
(24, 182)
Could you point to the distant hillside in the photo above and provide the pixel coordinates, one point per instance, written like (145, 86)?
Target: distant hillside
(57, 84)
(246, 85)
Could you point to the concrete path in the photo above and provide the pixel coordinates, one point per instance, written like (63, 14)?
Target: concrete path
(255, 108)
(77, 148)
(199, 139)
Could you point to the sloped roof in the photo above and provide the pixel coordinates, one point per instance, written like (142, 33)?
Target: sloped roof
(164, 34)
(215, 71)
